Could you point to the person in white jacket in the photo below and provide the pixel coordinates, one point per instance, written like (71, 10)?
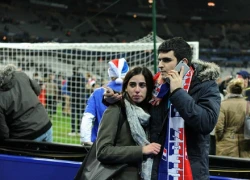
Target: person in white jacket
(95, 108)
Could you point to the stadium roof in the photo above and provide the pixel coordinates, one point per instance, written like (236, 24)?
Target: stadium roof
(225, 10)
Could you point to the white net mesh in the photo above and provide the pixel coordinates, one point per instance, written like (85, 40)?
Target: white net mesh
(149, 39)
(53, 64)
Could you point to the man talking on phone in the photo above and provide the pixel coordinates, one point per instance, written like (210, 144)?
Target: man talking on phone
(184, 110)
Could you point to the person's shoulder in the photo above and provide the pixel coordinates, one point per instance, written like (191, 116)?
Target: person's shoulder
(112, 111)
(20, 74)
(116, 106)
(98, 91)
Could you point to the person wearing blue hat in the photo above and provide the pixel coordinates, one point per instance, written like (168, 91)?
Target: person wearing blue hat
(95, 108)
(246, 76)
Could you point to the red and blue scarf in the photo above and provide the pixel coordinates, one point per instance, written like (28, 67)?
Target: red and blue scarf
(174, 164)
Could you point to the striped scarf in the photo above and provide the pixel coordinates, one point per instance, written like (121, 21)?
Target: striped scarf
(174, 164)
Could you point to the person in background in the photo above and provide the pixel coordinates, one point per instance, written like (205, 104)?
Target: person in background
(89, 84)
(229, 130)
(51, 94)
(59, 82)
(65, 99)
(76, 88)
(22, 116)
(132, 144)
(95, 108)
(245, 76)
(36, 77)
(222, 88)
(42, 95)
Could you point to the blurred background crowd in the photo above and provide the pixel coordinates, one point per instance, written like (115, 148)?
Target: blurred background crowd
(221, 28)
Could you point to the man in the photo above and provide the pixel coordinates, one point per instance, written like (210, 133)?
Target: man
(95, 108)
(199, 107)
(197, 103)
(22, 116)
(51, 90)
(76, 88)
(246, 76)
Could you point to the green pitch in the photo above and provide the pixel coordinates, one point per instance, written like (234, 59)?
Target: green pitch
(61, 128)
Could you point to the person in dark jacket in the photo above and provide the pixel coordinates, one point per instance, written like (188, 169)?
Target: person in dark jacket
(199, 107)
(76, 88)
(22, 116)
(132, 139)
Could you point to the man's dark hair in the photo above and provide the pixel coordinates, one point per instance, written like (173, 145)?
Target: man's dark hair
(180, 47)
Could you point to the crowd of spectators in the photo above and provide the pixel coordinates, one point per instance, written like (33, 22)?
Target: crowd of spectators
(67, 26)
(228, 139)
(223, 42)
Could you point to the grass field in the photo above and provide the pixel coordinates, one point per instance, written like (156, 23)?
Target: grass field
(61, 128)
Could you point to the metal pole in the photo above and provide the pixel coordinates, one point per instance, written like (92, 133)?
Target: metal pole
(154, 34)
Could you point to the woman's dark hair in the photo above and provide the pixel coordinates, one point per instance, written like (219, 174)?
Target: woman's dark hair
(148, 78)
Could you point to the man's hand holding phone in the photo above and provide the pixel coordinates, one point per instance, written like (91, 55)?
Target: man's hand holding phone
(175, 76)
(175, 79)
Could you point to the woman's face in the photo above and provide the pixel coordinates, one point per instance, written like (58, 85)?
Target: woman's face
(137, 89)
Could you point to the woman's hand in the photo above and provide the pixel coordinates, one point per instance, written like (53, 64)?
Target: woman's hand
(152, 148)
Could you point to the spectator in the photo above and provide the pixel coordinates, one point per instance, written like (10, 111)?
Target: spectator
(89, 84)
(76, 88)
(95, 108)
(246, 76)
(42, 96)
(22, 116)
(58, 81)
(65, 98)
(191, 106)
(222, 88)
(51, 95)
(36, 77)
(229, 130)
(132, 139)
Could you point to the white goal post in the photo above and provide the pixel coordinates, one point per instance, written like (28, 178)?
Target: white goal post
(60, 58)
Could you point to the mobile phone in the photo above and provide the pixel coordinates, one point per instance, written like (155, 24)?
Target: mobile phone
(178, 68)
(179, 65)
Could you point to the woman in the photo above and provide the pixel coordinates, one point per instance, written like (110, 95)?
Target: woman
(229, 130)
(132, 144)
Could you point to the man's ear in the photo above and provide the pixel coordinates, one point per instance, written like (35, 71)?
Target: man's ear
(185, 60)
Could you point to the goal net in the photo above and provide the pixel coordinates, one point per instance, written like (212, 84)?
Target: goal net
(54, 63)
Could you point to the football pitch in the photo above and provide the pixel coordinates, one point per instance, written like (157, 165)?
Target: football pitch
(61, 128)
